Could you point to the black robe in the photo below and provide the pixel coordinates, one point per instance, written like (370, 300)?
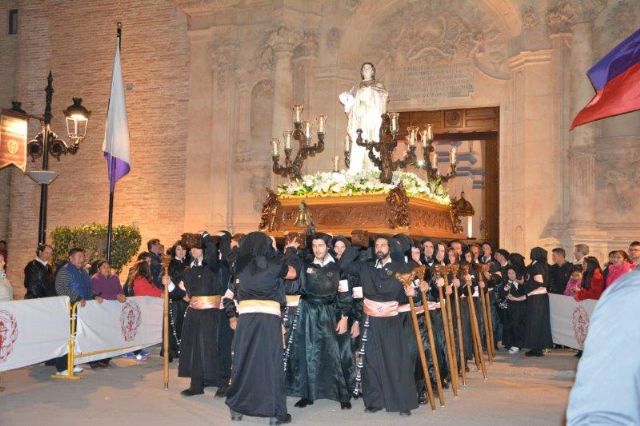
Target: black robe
(317, 358)
(538, 328)
(206, 336)
(177, 306)
(257, 381)
(516, 316)
(387, 375)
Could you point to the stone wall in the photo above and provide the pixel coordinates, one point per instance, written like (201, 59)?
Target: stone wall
(210, 82)
(76, 41)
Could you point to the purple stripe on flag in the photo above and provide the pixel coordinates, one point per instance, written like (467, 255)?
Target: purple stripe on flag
(116, 169)
(614, 63)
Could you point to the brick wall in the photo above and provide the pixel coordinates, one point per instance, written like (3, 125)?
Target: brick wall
(75, 39)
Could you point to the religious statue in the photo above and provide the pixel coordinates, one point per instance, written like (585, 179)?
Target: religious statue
(364, 105)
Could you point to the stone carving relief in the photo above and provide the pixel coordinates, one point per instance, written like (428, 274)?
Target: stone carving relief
(564, 13)
(333, 38)
(622, 20)
(620, 176)
(278, 39)
(529, 17)
(223, 59)
(453, 34)
(308, 46)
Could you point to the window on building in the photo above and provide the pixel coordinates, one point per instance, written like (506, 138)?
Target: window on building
(13, 21)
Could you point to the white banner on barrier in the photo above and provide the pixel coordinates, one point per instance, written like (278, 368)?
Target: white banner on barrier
(570, 320)
(33, 331)
(112, 328)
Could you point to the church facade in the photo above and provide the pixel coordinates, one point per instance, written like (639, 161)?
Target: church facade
(210, 82)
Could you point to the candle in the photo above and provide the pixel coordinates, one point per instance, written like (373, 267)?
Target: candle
(394, 121)
(429, 133)
(434, 160)
(414, 135)
(423, 138)
(274, 145)
(307, 129)
(287, 139)
(336, 161)
(321, 122)
(469, 226)
(297, 113)
(347, 143)
(452, 155)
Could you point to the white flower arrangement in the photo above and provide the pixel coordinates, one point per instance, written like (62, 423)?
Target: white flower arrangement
(344, 184)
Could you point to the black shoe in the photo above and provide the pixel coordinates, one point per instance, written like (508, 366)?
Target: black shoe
(191, 392)
(405, 413)
(578, 354)
(94, 365)
(104, 364)
(280, 420)
(236, 417)
(357, 395)
(345, 405)
(221, 392)
(372, 409)
(303, 403)
(533, 353)
(445, 384)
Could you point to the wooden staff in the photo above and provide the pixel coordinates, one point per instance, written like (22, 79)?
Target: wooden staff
(407, 280)
(432, 346)
(488, 302)
(447, 321)
(165, 327)
(475, 330)
(486, 311)
(454, 271)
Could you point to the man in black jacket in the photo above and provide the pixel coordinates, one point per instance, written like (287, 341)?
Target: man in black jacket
(38, 274)
(559, 272)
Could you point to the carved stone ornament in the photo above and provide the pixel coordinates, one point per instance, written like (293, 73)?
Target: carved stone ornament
(269, 210)
(398, 204)
(278, 39)
(308, 46)
(565, 13)
(530, 17)
(622, 19)
(223, 59)
(333, 37)
(449, 31)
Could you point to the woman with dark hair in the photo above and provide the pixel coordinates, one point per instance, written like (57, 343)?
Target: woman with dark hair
(257, 380)
(538, 330)
(141, 280)
(516, 312)
(177, 305)
(592, 281)
(460, 281)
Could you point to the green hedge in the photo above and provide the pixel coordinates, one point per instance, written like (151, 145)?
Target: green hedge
(93, 239)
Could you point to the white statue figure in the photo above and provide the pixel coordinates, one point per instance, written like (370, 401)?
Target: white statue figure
(364, 105)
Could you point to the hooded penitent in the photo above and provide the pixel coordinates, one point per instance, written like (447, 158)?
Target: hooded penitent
(254, 251)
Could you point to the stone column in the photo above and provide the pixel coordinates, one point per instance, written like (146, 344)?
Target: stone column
(282, 40)
(581, 170)
(223, 128)
(199, 146)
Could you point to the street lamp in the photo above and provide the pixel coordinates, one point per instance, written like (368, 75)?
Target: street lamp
(48, 143)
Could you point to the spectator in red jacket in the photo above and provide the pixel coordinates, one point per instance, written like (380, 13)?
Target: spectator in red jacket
(142, 283)
(619, 266)
(592, 280)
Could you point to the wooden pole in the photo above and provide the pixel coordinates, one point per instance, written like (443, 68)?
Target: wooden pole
(460, 336)
(487, 332)
(453, 338)
(451, 359)
(475, 329)
(432, 346)
(407, 280)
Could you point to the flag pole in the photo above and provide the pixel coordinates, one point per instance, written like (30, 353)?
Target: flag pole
(112, 186)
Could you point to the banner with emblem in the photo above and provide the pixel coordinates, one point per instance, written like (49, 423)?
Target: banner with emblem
(33, 331)
(570, 320)
(13, 140)
(111, 328)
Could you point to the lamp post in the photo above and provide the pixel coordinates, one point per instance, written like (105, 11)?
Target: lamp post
(47, 142)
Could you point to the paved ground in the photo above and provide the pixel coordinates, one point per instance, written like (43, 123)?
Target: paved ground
(519, 391)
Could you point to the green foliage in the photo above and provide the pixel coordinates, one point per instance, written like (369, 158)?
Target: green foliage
(93, 239)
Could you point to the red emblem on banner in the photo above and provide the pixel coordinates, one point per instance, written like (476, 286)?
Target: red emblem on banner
(580, 324)
(130, 319)
(8, 334)
(13, 141)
